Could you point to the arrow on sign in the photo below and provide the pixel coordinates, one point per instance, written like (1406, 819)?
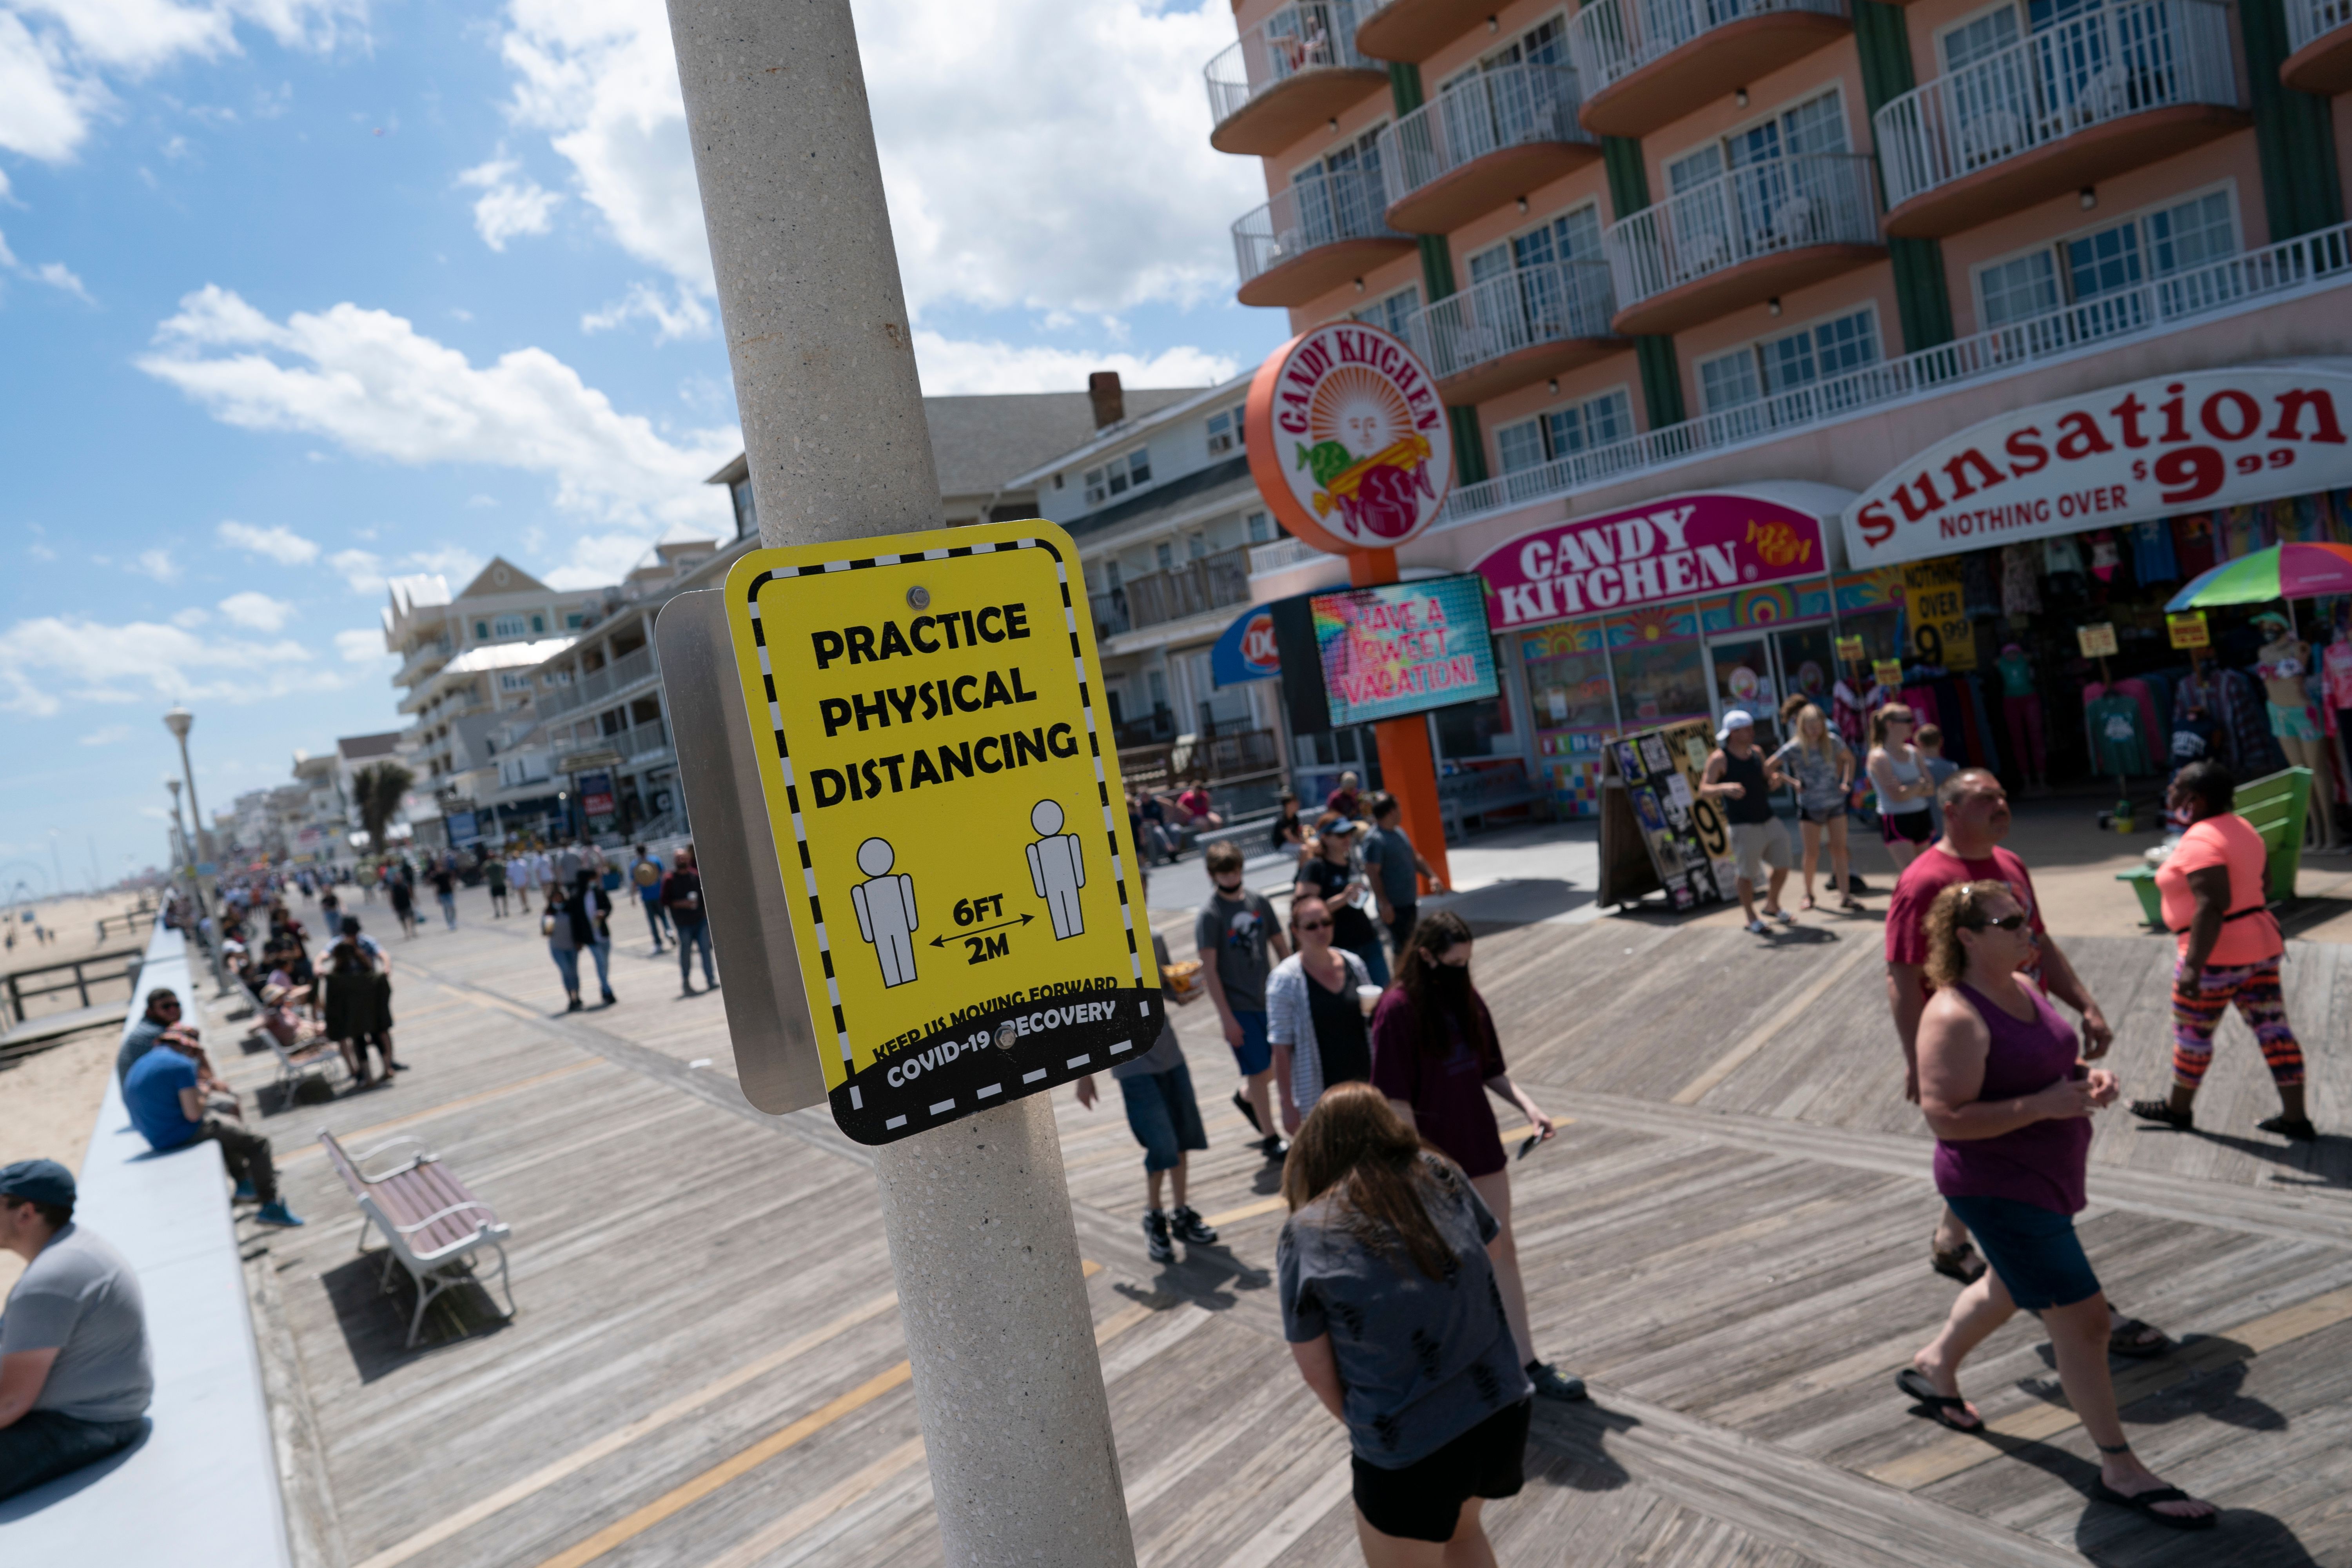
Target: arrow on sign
(959, 936)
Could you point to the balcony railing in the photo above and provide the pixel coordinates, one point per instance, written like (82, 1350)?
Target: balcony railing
(1518, 106)
(2099, 65)
(1522, 309)
(2307, 21)
(1281, 555)
(1309, 216)
(1109, 612)
(1779, 206)
(636, 741)
(1196, 586)
(2310, 263)
(1611, 39)
(1314, 36)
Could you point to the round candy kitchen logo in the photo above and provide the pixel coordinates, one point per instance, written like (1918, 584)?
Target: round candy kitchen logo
(1348, 441)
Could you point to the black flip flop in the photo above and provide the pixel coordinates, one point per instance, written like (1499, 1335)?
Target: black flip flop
(1961, 1263)
(2160, 1112)
(2125, 1339)
(1914, 1381)
(2145, 1503)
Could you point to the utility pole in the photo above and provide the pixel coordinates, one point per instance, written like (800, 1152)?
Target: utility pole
(199, 848)
(1016, 1426)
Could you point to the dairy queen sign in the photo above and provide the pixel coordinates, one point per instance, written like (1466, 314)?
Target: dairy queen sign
(2146, 449)
(1348, 441)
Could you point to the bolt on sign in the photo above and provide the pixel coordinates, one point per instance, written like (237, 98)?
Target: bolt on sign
(1941, 632)
(950, 829)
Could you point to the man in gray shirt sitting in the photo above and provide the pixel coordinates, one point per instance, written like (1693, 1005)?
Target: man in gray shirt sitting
(75, 1378)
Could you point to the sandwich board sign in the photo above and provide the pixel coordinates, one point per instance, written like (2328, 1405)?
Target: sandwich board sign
(948, 819)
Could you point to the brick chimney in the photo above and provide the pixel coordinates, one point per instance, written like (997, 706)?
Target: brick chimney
(1110, 402)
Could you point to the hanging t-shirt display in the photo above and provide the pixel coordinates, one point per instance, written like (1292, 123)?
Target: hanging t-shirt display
(2152, 558)
(2118, 749)
(2336, 666)
(2193, 543)
(2105, 556)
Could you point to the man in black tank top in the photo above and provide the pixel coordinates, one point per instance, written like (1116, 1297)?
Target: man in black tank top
(1741, 779)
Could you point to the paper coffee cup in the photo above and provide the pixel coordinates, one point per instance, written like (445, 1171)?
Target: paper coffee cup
(1367, 997)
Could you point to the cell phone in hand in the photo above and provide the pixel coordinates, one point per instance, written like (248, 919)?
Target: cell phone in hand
(1532, 1140)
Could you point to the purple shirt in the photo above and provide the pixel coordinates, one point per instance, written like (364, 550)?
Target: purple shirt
(1447, 1092)
(2042, 1162)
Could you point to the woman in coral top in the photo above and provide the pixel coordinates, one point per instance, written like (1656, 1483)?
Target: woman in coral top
(2215, 891)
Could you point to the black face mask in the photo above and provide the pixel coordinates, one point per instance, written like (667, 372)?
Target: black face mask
(1450, 985)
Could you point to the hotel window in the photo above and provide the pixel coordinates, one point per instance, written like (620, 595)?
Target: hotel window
(1225, 431)
(1196, 547)
(1393, 313)
(1815, 126)
(1331, 206)
(508, 626)
(513, 682)
(1578, 427)
(1770, 366)
(1129, 470)
(1261, 528)
(2109, 261)
(747, 512)
(537, 624)
(481, 631)
(1165, 553)
(1978, 37)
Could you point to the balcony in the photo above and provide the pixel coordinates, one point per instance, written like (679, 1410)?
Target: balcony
(2311, 265)
(1741, 238)
(1474, 147)
(1646, 62)
(573, 755)
(2076, 103)
(2320, 34)
(1109, 612)
(1287, 76)
(1194, 588)
(1516, 330)
(1413, 30)
(1282, 554)
(1313, 236)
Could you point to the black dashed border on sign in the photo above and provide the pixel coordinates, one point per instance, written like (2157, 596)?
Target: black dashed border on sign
(792, 785)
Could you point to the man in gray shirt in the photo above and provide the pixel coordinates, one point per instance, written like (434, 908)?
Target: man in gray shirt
(1235, 933)
(1391, 861)
(75, 1378)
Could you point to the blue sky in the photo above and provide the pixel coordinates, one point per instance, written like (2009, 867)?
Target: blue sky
(295, 294)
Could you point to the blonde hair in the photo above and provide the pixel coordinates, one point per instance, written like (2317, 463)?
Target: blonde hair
(1956, 909)
(1811, 713)
(1893, 713)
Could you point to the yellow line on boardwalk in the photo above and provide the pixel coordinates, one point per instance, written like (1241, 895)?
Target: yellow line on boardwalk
(1948, 1457)
(308, 1151)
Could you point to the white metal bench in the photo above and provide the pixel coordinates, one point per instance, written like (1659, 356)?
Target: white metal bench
(430, 1222)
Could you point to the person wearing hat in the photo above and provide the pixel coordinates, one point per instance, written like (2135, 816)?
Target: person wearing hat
(2285, 662)
(74, 1376)
(1742, 778)
(1332, 873)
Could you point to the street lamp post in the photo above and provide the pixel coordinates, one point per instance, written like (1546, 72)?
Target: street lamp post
(177, 721)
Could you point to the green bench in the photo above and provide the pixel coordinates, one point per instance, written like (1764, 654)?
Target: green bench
(2275, 803)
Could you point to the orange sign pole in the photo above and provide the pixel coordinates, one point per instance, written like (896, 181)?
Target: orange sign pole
(1407, 767)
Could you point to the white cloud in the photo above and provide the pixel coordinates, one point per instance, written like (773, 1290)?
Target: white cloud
(107, 735)
(257, 612)
(56, 274)
(52, 661)
(455, 562)
(360, 647)
(190, 618)
(369, 381)
(40, 552)
(362, 569)
(156, 563)
(950, 367)
(507, 206)
(1120, 200)
(687, 317)
(277, 542)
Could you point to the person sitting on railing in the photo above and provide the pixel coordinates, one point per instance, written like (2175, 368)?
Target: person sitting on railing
(165, 1095)
(1195, 805)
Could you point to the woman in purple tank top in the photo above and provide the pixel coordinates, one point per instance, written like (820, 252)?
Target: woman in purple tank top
(2004, 1089)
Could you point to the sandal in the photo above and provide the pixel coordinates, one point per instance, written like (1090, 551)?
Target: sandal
(1853, 905)
(1961, 1263)
(1946, 1406)
(2161, 1111)
(2298, 1128)
(2130, 1338)
(2145, 1503)
(1809, 903)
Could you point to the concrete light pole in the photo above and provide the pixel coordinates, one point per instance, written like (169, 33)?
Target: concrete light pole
(178, 720)
(1016, 1426)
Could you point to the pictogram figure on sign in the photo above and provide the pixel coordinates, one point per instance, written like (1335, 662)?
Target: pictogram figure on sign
(886, 910)
(1057, 869)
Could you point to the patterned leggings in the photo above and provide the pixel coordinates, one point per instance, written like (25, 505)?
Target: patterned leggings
(2254, 988)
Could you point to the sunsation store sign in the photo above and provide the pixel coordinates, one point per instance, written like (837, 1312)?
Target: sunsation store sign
(2146, 449)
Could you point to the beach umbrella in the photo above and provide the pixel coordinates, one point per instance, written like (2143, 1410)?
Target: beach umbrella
(2282, 571)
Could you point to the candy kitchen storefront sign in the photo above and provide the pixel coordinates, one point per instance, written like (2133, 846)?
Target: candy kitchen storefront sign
(2146, 449)
(1668, 550)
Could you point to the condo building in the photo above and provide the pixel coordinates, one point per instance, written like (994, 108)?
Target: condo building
(1774, 333)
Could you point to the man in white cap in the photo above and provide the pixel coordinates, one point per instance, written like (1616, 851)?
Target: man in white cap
(1742, 778)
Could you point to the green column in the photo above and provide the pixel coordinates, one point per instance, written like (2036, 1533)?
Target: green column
(1629, 193)
(1437, 283)
(1923, 300)
(2293, 140)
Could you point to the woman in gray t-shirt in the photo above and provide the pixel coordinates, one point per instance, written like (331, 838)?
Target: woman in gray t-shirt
(1390, 1304)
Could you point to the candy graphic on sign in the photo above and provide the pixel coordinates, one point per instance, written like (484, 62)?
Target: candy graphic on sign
(1348, 441)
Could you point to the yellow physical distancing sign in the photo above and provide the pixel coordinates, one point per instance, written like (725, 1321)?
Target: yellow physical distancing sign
(948, 817)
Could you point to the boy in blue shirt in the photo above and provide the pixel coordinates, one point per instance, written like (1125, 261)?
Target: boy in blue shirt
(168, 1108)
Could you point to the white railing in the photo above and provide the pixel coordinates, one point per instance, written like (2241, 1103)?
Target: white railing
(2310, 19)
(1490, 111)
(1778, 204)
(2098, 67)
(2309, 263)
(1281, 556)
(1310, 213)
(1612, 39)
(1314, 35)
(1551, 303)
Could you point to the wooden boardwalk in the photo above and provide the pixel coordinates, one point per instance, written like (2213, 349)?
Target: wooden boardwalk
(1730, 1240)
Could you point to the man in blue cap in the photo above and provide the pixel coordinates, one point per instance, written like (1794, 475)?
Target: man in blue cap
(75, 1380)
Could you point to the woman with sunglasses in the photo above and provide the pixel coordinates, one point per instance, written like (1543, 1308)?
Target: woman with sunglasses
(1437, 1057)
(1313, 1017)
(1900, 776)
(2005, 1090)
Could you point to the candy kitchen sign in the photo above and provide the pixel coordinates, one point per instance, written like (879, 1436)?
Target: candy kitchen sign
(2146, 449)
(1348, 441)
(1667, 550)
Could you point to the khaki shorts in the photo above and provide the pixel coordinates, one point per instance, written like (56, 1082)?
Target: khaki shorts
(1754, 844)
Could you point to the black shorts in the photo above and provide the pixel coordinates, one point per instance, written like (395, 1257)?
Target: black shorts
(1907, 827)
(1422, 1500)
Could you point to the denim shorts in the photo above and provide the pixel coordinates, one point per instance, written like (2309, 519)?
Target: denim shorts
(1163, 1115)
(2034, 1251)
(1256, 1053)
